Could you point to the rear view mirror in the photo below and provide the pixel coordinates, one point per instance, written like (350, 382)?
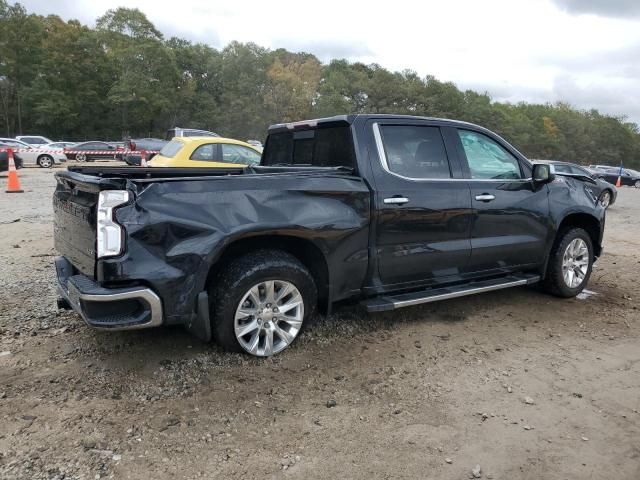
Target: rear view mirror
(543, 173)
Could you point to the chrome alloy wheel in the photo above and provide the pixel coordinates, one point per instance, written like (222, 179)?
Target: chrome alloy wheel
(45, 161)
(605, 199)
(269, 317)
(575, 263)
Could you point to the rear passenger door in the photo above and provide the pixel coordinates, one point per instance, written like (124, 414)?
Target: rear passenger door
(423, 211)
(510, 221)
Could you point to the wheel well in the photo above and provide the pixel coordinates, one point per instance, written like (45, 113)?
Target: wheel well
(587, 222)
(304, 250)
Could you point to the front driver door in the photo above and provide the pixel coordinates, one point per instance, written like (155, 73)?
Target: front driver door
(423, 213)
(510, 221)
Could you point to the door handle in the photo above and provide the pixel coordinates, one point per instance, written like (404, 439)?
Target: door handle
(485, 197)
(396, 200)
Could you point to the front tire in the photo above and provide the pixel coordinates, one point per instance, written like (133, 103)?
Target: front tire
(637, 184)
(261, 301)
(570, 263)
(45, 161)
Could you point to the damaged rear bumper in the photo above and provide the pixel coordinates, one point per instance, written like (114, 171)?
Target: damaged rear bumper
(107, 308)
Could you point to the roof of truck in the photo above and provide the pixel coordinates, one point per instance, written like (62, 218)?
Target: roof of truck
(349, 119)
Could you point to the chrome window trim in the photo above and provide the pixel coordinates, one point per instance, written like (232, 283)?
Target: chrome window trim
(385, 166)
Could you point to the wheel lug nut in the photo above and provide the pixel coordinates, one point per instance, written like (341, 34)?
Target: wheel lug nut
(275, 309)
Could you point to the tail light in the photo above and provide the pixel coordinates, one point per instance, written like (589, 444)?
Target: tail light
(110, 234)
(132, 145)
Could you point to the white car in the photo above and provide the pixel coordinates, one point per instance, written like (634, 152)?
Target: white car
(57, 145)
(35, 156)
(35, 140)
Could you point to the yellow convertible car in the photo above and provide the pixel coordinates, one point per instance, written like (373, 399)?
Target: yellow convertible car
(206, 152)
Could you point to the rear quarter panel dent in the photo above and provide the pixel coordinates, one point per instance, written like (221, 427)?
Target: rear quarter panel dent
(177, 230)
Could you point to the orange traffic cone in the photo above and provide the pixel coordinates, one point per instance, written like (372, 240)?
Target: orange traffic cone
(619, 182)
(14, 182)
(143, 158)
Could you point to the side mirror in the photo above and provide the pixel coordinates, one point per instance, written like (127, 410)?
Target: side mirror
(543, 173)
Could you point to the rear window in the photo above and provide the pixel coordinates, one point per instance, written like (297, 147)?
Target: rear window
(171, 149)
(322, 147)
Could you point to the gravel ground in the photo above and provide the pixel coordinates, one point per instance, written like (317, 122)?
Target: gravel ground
(508, 385)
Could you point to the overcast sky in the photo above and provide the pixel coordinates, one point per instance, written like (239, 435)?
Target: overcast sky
(585, 52)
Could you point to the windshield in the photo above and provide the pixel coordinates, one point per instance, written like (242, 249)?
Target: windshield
(171, 149)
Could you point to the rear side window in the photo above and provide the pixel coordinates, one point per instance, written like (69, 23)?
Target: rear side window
(415, 151)
(322, 147)
(487, 159)
(171, 149)
(205, 152)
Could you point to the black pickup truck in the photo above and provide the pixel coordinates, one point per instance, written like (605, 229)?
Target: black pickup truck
(390, 210)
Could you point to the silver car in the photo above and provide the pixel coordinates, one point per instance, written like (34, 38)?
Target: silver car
(45, 158)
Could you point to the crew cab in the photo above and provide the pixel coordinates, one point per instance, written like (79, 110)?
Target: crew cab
(389, 210)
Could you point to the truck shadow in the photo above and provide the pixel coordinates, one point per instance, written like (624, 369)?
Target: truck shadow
(146, 349)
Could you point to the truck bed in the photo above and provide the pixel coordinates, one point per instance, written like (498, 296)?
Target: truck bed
(143, 173)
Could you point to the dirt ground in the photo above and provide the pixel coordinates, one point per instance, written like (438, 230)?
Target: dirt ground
(521, 384)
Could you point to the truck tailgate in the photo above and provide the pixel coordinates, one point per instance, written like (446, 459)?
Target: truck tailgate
(74, 206)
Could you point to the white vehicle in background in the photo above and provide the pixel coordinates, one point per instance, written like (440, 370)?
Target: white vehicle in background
(35, 155)
(257, 144)
(57, 145)
(35, 140)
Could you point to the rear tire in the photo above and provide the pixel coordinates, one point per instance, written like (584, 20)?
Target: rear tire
(570, 263)
(260, 302)
(637, 184)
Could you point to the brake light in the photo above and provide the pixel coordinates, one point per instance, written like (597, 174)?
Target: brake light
(303, 124)
(109, 232)
(132, 145)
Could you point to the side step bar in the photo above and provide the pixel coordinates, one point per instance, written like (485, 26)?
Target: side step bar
(392, 302)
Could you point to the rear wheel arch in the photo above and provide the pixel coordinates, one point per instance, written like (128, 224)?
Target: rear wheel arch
(304, 250)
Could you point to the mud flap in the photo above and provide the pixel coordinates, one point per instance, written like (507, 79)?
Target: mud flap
(200, 324)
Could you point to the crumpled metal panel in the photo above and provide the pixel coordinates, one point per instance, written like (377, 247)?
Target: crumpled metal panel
(177, 230)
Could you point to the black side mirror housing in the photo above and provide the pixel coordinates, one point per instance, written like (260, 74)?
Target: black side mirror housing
(543, 173)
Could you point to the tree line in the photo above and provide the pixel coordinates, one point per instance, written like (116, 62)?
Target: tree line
(123, 78)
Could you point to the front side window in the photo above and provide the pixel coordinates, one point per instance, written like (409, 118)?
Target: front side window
(415, 151)
(487, 159)
(204, 152)
(239, 154)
